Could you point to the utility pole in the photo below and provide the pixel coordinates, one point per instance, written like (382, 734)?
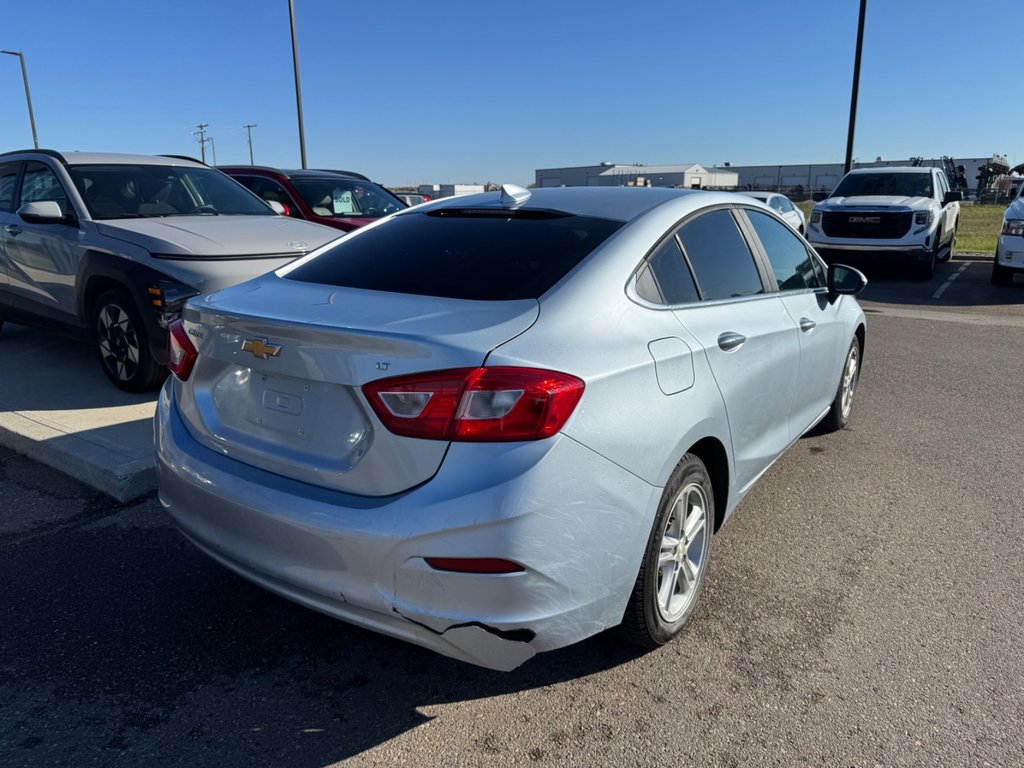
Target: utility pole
(298, 89)
(856, 87)
(248, 129)
(28, 94)
(201, 130)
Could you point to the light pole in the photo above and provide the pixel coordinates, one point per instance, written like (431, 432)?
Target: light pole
(28, 94)
(213, 148)
(298, 89)
(856, 87)
(248, 129)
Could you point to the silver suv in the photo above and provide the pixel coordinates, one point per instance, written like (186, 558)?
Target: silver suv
(112, 245)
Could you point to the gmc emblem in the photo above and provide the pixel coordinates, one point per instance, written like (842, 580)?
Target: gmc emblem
(865, 219)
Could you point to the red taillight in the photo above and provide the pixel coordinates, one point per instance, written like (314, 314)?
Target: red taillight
(476, 404)
(474, 564)
(181, 355)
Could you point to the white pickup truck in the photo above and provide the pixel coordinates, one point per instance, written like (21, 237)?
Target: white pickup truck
(887, 214)
(1010, 248)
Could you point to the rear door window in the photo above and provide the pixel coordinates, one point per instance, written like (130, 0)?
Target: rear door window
(479, 254)
(721, 261)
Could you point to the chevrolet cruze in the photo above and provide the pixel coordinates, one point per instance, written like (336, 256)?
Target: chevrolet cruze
(498, 424)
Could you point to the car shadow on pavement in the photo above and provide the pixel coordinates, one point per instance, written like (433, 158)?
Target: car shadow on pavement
(123, 645)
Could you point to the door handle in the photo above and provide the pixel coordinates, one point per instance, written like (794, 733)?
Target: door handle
(12, 229)
(729, 341)
(807, 325)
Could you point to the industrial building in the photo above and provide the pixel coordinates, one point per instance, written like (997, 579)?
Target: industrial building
(688, 175)
(793, 178)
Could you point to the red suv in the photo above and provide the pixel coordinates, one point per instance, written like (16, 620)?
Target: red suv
(339, 199)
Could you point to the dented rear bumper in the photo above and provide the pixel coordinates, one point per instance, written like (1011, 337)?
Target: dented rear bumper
(579, 530)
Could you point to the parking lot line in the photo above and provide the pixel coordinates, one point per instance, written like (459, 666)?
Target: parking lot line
(942, 288)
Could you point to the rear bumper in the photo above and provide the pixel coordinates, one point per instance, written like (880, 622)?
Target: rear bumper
(576, 522)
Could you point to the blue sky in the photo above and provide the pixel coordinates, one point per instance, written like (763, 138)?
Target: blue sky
(455, 91)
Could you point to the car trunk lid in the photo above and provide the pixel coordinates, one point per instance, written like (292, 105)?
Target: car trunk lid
(282, 392)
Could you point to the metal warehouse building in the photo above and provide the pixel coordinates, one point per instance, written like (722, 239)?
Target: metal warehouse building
(689, 175)
(810, 178)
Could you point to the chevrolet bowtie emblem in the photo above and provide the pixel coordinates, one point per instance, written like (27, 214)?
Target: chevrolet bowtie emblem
(261, 348)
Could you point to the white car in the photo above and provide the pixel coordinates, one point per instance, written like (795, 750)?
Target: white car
(783, 206)
(1010, 248)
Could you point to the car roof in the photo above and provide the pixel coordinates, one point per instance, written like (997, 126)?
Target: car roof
(617, 203)
(108, 158)
(291, 173)
(895, 169)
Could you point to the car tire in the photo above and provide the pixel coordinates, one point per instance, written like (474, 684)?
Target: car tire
(672, 573)
(926, 270)
(122, 343)
(839, 414)
(947, 255)
(1001, 275)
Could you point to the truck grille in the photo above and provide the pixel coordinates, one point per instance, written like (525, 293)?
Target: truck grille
(866, 224)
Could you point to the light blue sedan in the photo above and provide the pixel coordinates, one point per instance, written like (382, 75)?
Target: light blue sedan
(498, 424)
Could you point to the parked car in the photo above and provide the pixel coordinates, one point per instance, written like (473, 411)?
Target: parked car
(412, 199)
(337, 199)
(498, 424)
(112, 245)
(1009, 258)
(783, 206)
(907, 214)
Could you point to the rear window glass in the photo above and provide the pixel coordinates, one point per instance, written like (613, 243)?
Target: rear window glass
(484, 255)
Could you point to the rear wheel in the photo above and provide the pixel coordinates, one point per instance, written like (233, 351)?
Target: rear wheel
(671, 577)
(122, 343)
(1001, 275)
(842, 406)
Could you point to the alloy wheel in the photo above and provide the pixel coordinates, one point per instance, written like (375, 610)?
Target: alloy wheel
(118, 342)
(683, 552)
(850, 377)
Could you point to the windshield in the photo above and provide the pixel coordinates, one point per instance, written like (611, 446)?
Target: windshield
(895, 184)
(142, 191)
(342, 198)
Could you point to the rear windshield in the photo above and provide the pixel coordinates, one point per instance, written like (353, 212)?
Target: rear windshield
(484, 255)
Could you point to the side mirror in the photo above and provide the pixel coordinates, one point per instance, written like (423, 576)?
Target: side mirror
(819, 196)
(844, 280)
(279, 209)
(953, 196)
(43, 212)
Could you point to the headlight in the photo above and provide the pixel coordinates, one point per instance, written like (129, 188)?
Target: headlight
(1013, 227)
(922, 218)
(815, 218)
(168, 298)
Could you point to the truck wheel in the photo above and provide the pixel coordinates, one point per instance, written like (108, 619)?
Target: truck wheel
(948, 255)
(122, 343)
(926, 270)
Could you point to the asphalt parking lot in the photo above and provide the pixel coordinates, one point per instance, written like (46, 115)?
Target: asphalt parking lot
(864, 608)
